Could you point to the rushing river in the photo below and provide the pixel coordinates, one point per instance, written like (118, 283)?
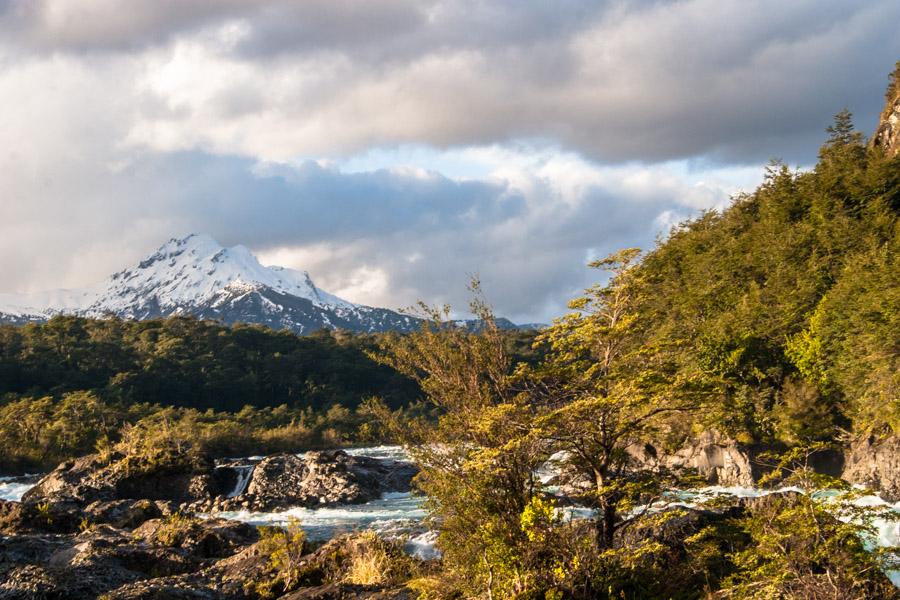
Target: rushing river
(13, 488)
(400, 515)
(394, 515)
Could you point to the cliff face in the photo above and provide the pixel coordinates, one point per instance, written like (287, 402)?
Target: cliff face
(887, 135)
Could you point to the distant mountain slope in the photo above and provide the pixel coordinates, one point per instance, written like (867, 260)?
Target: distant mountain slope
(197, 276)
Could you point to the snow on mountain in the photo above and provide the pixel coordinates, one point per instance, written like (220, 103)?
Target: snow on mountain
(197, 276)
(196, 270)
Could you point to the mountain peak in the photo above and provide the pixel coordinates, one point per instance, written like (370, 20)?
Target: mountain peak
(196, 275)
(197, 269)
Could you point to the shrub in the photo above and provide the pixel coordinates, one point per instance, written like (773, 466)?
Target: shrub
(283, 549)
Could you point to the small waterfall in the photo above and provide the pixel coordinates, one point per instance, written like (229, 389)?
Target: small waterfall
(244, 473)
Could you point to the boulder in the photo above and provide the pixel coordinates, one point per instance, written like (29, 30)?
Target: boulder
(125, 514)
(317, 479)
(203, 538)
(40, 517)
(83, 566)
(92, 478)
(347, 591)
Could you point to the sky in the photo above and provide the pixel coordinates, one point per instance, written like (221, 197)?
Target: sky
(395, 148)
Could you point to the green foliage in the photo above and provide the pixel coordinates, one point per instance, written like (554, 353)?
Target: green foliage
(174, 529)
(606, 387)
(367, 559)
(40, 433)
(798, 550)
(773, 321)
(796, 280)
(189, 363)
(477, 467)
(283, 549)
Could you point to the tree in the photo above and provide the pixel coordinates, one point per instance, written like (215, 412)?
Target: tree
(477, 461)
(605, 390)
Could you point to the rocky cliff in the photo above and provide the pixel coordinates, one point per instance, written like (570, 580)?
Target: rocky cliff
(887, 134)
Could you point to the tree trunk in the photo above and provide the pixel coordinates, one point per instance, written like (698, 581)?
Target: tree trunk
(606, 519)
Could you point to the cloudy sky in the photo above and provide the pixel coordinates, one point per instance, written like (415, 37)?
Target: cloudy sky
(393, 147)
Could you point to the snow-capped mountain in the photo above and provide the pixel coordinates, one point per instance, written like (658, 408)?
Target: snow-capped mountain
(197, 276)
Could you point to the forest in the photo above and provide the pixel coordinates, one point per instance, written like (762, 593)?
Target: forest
(71, 382)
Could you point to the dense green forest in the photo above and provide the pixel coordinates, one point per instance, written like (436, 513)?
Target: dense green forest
(71, 383)
(194, 364)
(790, 299)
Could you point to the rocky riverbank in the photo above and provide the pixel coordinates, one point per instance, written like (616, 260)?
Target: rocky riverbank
(324, 478)
(99, 526)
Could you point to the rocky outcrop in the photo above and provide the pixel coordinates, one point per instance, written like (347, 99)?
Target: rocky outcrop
(887, 134)
(203, 538)
(318, 569)
(315, 479)
(874, 463)
(720, 460)
(277, 482)
(85, 565)
(92, 478)
(716, 458)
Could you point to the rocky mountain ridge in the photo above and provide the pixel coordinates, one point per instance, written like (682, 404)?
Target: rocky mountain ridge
(197, 276)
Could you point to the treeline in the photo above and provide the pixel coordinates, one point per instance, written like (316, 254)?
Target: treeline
(71, 384)
(185, 362)
(36, 434)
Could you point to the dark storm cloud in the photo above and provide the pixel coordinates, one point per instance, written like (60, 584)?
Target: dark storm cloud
(731, 81)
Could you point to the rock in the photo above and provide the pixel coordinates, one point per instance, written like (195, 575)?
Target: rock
(67, 480)
(720, 460)
(887, 134)
(124, 514)
(204, 538)
(83, 566)
(874, 463)
(90, 479)
(277, 482)
(319, 479)
(165, 588)
(346, 591)
(40, 517)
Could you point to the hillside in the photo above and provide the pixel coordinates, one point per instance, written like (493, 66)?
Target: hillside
(790, 298)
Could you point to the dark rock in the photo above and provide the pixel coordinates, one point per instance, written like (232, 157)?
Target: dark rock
(91, 479)
(20, 550)
(346, 591)
(84, 566)
(103, 559)
(124, 514)
(168, 588)
(204, 538)
(40, 517)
